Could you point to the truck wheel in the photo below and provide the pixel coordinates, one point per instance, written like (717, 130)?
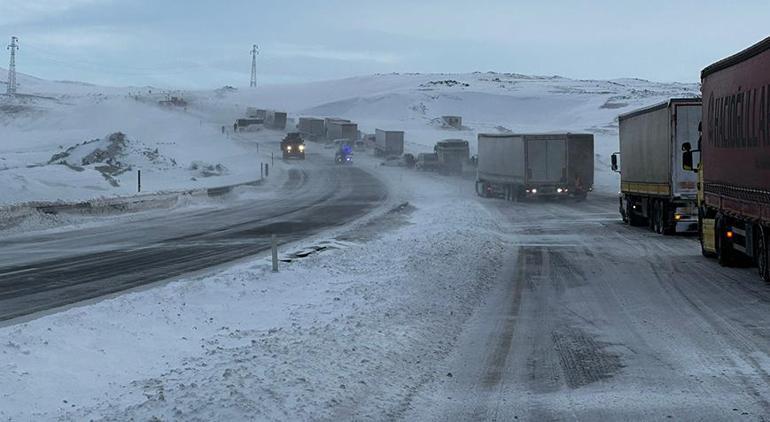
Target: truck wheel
(725, 253)
(703, 251)
(622, 211)
(651, 215)
(481, 189)
(763, 266)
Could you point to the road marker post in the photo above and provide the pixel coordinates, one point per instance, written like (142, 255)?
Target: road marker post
(139, 181)
(274, 247)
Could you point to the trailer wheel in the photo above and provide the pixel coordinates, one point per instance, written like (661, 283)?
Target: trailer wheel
(656, 217)
(622, 211)
(763, 266)
(725, 253)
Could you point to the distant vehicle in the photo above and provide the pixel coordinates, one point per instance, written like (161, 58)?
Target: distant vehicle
(427, 161)
(406, 160)
(734, 170)
(341, 129)
(344, 154)
(275, 119)
(360, 145)
(312, 128)
(452, 155)
(293, 146)
(655, 190)
(518, 166)
(247, 124)
(388, 143)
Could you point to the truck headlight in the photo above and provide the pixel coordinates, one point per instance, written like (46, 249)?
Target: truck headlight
(534, 190)
(301, 148)
(559, 190)
(288, 148)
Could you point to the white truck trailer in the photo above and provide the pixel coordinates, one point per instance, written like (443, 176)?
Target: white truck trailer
(519, 166)
(341, 130)
(654, 188)
(312, 128)
(388, 143)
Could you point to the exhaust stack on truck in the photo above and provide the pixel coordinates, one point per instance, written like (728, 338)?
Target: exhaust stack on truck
(655, 190)
(518, 166)
(734, 170)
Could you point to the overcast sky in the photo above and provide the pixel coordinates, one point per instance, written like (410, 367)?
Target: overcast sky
(206, 43)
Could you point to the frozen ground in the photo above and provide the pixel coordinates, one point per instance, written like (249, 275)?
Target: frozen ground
(53, 116)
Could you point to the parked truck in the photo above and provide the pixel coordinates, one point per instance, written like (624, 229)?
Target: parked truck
(341, 130)
(734, 165)
(654, 188)
(312, 128)
(519, 166)
(275, 119)
(452, 154)
(388, 143)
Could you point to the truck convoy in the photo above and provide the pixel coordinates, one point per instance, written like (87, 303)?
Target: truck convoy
(293, 146)
(518, 166)
(734, 170)
(388, 143)
(452, 154)
(655, 189)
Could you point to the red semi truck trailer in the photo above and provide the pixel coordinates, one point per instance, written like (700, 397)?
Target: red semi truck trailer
(734, 168)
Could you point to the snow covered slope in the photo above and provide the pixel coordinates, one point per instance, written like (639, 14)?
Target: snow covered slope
(50, 117)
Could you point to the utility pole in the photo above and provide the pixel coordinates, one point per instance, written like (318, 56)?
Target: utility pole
(12, 67)
(254, 52)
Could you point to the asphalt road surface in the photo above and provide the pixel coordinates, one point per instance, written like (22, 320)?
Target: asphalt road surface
(40, 272)
(594, 320)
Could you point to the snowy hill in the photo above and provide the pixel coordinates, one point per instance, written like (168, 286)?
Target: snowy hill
(50, 117)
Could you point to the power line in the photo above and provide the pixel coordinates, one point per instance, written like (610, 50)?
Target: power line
(254, 52)
(11, 88)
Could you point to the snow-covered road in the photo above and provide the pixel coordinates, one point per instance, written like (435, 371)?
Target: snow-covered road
(450, 307)
(43, 271)
(594, 320)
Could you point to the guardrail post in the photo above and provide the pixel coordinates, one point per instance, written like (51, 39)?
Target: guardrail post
(274, 247)
(267, 171)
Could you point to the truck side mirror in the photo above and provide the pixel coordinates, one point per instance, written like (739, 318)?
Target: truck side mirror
(614, 161)
(687, 157)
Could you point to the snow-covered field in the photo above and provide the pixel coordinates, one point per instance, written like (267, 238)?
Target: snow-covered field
(54, 116)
